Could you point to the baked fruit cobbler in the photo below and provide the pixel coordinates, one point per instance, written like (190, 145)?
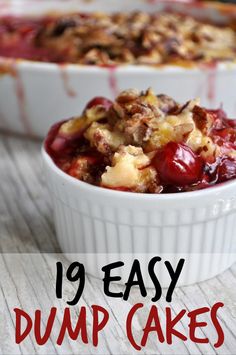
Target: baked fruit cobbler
(119, 38)
(146, 143)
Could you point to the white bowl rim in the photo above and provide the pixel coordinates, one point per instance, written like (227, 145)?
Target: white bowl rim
(211, 191)
(30, 65)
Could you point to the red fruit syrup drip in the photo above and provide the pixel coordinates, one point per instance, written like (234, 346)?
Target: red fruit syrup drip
(65, 80)
(211, 70)
(113, 81)
(20, 94)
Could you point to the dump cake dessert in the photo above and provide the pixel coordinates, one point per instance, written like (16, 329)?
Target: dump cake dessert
(119, 38)
(146, 143)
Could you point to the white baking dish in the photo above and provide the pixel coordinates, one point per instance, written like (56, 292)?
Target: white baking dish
(34, 95)
(103, 226)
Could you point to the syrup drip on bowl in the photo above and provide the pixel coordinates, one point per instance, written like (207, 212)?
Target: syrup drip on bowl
(9, 67)
(65, 80)
(211, 70)
(212, 85)
(20, 94)
(112, 79)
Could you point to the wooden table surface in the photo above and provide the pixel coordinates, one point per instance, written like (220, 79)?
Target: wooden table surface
(27, 273)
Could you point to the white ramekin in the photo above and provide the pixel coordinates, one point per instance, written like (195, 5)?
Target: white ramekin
(102, 226)
(34, 95)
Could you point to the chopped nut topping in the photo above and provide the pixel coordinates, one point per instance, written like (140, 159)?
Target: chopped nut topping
(101, 137)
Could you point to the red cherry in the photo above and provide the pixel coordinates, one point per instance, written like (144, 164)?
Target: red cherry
(51, 136)
(58, 144)
(230, 122)
(221, 120)
(178, 165)
(227, 169)
(101, 101)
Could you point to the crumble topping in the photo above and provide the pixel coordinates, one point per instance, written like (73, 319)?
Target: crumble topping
(103, 139)
(120, 38)
(147, 143)
(128, 171)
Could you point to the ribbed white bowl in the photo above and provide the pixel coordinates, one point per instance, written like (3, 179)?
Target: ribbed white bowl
(104, 226)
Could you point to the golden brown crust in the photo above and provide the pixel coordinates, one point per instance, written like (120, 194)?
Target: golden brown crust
(137, 38)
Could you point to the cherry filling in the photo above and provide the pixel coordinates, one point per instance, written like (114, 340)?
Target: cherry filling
(51, 138)
(178, 165)
(70, 150)
(99, 101)
(59, 143)
(23, 45)
(74, 156)
(226, 169)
